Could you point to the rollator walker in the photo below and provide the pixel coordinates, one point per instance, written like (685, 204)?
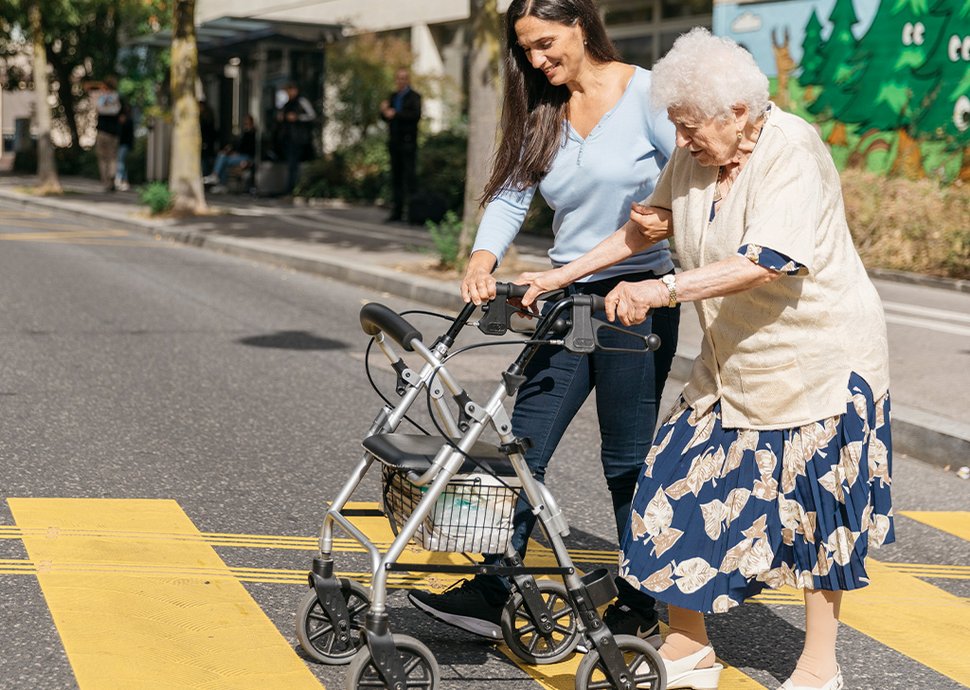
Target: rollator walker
(454, 492)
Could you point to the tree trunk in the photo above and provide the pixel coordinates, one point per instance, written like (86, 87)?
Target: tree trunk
(185, 178)
(484, 85)
(909, 160)
(47, 180)
(838, 136)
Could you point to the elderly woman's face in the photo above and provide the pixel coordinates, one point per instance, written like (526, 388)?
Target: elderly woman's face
(556, 49)
(711, 141)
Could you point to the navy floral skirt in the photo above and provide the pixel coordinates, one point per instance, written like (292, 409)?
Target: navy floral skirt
(720, 514)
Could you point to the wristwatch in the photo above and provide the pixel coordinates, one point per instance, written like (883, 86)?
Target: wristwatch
(670, 280)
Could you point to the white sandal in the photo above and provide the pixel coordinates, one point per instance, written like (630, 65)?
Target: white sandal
(835, 683)
(683, 672)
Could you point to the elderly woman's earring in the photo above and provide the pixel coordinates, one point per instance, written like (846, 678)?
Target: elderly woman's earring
(739, 136)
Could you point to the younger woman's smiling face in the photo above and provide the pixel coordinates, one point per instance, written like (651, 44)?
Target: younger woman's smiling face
(555, 49)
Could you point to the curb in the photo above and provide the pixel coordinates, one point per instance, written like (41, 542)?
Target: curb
(922, 435)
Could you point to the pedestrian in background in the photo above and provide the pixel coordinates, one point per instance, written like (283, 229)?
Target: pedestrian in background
(401, 111)
(210, 135)
(775, 466)
(296, 119)
(577, 127)
(240, 153)
(107, 104)
(126, 142)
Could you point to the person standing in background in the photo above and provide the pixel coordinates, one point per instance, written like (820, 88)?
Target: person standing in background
(210, 135)
(107, 104)
(296, 119)
(401, 111)
(126, 142)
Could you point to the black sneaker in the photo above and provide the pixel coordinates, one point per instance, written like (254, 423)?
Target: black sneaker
(464, 606)
(622, 620)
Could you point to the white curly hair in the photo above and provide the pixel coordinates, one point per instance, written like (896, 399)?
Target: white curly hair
(707, 76)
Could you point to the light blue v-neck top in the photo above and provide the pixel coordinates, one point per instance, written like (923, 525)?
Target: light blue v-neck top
(592, 183)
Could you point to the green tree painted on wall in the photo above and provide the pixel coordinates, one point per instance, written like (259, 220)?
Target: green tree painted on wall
(887, 91)
(811, 52)
(946, 114)
(836, 70)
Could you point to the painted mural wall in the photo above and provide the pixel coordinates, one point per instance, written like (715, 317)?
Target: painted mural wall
(887, 82)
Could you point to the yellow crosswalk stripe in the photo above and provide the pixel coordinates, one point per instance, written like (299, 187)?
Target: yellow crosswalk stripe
(67, 551)
(138, 612)
(913, 617)
(956, 523)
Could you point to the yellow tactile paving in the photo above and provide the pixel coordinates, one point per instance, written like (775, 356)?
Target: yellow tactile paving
(142, 612)
(956, 523)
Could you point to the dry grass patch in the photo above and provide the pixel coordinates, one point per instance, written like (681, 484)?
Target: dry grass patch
(907, 225)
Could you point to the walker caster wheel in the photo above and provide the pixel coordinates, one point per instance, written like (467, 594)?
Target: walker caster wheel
(643, 665)
(316, 632)
(419, 663)
(522, 633)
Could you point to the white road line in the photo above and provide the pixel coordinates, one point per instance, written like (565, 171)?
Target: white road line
(944, 314)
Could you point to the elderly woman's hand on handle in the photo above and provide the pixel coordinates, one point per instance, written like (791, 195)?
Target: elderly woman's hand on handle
(631, 302)
(541, 282)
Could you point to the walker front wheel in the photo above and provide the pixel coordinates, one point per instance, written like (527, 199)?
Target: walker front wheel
(525, 636)
(316, 632)
(420, 667)
(642, 666)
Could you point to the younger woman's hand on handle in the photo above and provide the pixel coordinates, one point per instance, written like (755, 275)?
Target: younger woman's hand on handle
(478, 284)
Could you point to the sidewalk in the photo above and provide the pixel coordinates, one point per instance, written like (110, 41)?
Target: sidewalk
(353, 244)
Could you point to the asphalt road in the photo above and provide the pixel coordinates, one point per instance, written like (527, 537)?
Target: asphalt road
(134, 368)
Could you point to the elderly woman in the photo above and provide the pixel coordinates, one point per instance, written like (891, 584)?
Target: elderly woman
(774, 467)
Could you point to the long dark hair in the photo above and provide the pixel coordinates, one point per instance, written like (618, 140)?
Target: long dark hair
(534, 110)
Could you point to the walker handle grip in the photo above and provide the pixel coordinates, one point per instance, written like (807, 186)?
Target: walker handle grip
(376, 318)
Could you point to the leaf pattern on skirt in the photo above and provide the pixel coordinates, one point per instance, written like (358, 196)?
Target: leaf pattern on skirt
(693, 574)
(879, 462)
(702, 470)
(841, 544)
(723, 604)
(747, 440)
(660, 580)
(723, 513)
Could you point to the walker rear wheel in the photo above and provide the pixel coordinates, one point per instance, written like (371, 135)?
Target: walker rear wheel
(523, 635)
(316, 632)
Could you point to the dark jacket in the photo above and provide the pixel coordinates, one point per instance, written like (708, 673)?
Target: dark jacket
(404, 125)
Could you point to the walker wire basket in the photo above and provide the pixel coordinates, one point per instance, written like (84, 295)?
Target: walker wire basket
(473, 513)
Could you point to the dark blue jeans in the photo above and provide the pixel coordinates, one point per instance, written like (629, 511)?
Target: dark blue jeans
(628, 387)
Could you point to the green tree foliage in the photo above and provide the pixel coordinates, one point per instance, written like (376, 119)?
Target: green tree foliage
(811, 52)
(835, 70)
(886, 90)
(946, 114)
(84, 41)
(361, 70)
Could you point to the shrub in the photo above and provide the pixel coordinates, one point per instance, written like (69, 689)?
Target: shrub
(157, 196)
(445, 235)
(354, 173)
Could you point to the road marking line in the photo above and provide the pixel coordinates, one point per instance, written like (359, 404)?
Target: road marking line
(956, 523)
(927, 324)
(933, 630)
(926, 312)
(62, 235)
(177, 618)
